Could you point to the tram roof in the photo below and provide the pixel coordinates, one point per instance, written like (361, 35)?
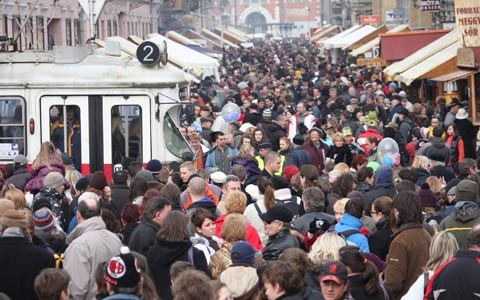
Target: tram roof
(94, 69)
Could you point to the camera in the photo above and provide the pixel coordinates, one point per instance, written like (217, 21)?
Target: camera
(319, 224)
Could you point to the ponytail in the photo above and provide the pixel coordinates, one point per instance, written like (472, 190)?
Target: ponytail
(269, 197)
(371, 279)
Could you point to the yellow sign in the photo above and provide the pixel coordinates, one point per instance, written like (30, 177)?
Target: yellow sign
(467, 17)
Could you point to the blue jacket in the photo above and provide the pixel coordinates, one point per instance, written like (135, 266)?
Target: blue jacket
(223, 166)
(299, 157)
(349, 222)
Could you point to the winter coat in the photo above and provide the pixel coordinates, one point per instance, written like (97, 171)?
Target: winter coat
(379, 241)
(37, 176)
(221, 260)
(457, 150)
(143, 237)
(318, 154)
(406, 130)
(357, 289)
(423, 174)
(21, 262)
(207, 245)
(163, 254)
(19, 177)
(340, 154)
(458, 278)
(464, 217)
(252, 235)
(438, 150)
(406, 259)
(299, 157)
(253, 217)
(309, 120)
(467, 131)
(55, 241)
(126, 232)
(383, 187)
(349, 222)
(90, 243)
(277, 243)
(251, 166)
(220, 159)
(119, 196)
(302, 224)
(241, 281)
(60, 206)
(274, 133)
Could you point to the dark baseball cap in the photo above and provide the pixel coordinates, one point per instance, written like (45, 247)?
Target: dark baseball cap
(277, 212)
(335, 271)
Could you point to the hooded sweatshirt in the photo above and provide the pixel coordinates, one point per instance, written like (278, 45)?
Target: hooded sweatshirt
(438, 151)
(464, 217)
(383, 187)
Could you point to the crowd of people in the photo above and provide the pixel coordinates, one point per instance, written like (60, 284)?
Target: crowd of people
(292, 200)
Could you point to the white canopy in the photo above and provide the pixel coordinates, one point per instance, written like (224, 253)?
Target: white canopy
(330, 42)
(422, 54)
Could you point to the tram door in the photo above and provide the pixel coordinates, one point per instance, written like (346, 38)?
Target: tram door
(64, 122)
(98, 132)
(128, 121)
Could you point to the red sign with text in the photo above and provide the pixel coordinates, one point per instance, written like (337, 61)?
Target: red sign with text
(369, 20)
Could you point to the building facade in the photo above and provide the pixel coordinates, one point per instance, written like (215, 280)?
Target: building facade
(40, 25)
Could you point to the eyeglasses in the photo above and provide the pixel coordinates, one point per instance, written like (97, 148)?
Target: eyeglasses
(374, 212)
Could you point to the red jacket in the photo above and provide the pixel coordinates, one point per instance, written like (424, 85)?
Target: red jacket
(252, 235)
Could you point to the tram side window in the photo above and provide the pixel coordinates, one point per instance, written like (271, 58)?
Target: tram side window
(12, 127)
(126, 133)
(65, 132)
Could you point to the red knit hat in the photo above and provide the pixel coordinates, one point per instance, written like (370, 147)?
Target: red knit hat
(289, 171)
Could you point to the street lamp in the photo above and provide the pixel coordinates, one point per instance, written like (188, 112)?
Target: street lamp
(307, 8)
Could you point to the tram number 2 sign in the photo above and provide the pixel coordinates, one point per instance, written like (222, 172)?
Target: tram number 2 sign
(148, 53)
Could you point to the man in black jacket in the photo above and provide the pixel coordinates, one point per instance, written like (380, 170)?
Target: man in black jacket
(20, 174)
(277, 226)
(143, 237)
(277, 130)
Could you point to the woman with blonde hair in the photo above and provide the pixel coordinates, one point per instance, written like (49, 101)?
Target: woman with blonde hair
(47, 161)
(436, 186)
(422, 165)
(443, 247)
(17, 197)
(236, 203)
(339, 151)
(324, 249)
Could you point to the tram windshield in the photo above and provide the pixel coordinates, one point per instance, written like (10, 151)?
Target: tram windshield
(174, 140)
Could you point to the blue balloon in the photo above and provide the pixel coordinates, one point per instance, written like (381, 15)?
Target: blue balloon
(387, 160)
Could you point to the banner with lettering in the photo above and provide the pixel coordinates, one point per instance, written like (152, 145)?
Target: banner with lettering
(467, 18)
(430, 5)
